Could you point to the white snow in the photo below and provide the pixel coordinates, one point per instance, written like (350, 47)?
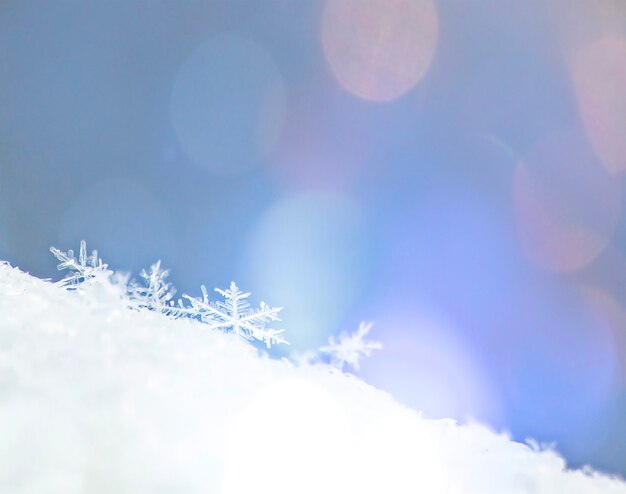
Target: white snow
(96, 398)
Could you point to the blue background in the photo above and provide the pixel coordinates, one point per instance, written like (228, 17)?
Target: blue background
(468, 200)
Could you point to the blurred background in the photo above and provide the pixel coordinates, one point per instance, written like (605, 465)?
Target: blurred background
(451, 170)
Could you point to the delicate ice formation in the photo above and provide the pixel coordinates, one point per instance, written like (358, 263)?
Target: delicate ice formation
(154, 293)
(351, 348)
(234, 315)
(82, 270)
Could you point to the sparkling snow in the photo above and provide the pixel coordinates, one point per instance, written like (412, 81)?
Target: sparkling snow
(96, 398)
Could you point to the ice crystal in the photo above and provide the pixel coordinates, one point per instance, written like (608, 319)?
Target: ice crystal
(155, 293)
(234, 315)
(81, 270)
(350, 348)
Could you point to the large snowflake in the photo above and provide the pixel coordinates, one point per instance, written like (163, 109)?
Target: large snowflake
(155, 293)
(235, 315)
(82, 270)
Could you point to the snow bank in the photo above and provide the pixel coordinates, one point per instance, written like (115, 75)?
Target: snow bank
(96, 398)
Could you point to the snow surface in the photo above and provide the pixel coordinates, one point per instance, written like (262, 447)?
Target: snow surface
(96, 398)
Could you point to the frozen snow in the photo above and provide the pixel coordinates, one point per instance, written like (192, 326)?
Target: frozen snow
(96, 398)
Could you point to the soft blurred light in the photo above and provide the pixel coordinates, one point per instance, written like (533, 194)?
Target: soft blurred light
(314, 150)
(609, 311)
(426, 365)
(305, 255)
(228, 104)
(599, 78)
(127, 223)
(560, 377)
(379, 49)
(579, 22)
(567, 205)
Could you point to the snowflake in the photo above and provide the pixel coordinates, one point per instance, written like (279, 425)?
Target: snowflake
(156, 293)
(234, 315)
(82, 270)
(351, 347)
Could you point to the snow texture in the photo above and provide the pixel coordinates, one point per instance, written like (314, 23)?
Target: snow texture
(351, 348)
(96, 398)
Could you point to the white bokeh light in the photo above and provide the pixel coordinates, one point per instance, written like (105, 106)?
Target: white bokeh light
(304, 253)
(428, 366)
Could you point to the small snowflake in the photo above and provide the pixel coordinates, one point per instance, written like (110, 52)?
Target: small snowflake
(234, 315)
(156, 293)
(351, 347)
(81, 270)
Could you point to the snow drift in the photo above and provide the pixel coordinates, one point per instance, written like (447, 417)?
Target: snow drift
(96, 398)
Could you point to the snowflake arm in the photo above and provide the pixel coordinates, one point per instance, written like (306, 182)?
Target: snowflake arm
(270, 336)
(350, 348)
(234, 315)
(81, 270)
(156, 293)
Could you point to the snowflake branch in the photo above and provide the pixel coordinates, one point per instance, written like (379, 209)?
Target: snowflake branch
(81, 270)
(351, 348)
(234, 315)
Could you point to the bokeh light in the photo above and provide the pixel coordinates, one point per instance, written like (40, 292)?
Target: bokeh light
(567, 205)
(379, 49)
(599, 78)
(228, 104)
(315, 149)
(612, 314)
(428, 365)
(306, 253)
(566, 366)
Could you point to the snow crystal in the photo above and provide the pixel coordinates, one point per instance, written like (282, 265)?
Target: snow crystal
(350, 348)
(235, 315)
(155, 293)
(83, 270)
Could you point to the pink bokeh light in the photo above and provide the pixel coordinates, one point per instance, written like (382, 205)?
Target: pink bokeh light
(379, 49)
(567, 205)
